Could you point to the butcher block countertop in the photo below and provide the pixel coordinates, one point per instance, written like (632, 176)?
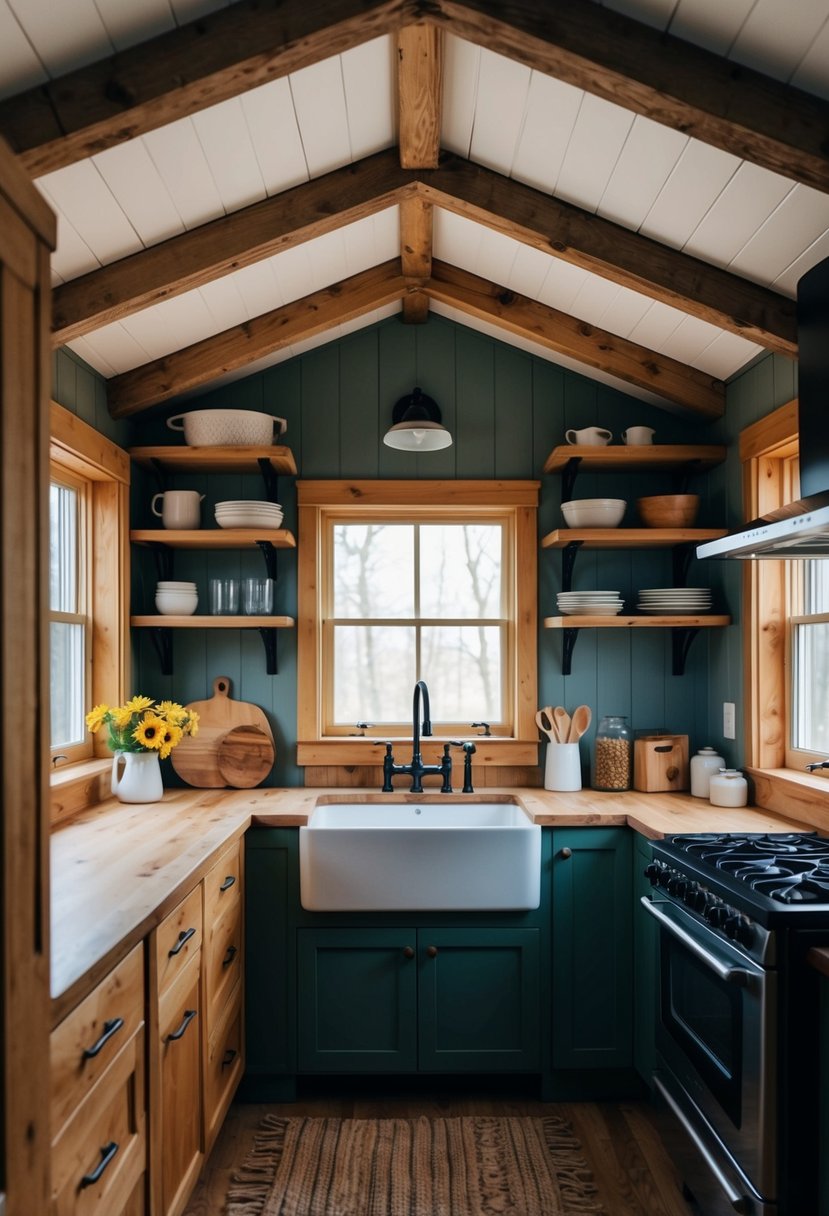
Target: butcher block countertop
(118, 869)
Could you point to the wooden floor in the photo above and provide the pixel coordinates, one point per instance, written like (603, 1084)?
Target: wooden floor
(634, 1175)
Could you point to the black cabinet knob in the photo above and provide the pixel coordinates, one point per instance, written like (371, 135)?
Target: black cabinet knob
(408, 952)
(565, 853)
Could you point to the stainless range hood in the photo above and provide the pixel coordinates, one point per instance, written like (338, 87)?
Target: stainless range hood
(800, 529)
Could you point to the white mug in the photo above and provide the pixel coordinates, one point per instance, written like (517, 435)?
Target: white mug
(638, 435)
(563, 768)
(596, 436)
(180, 508)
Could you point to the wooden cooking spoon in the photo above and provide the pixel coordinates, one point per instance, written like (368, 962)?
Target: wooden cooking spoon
(544, 722)
(562, 721)
(579, 723)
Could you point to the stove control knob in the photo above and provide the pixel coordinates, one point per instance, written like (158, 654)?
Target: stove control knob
(652, 871)
(665, 876)
(717, 915)
(677, 886)
(691, 894)
(739, 929)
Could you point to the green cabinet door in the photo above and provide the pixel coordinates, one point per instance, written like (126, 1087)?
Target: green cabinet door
(645, 946)
(357, 1000)
(478, 1000)
(271, 895)
(592, 1008)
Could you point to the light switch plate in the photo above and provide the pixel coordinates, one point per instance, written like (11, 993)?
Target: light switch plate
(729, 720)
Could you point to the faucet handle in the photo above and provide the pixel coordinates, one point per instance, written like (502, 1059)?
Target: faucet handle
(362, 727)
(486, 731)
(467, 745)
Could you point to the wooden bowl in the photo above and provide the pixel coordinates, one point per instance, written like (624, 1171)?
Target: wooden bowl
(668, 510)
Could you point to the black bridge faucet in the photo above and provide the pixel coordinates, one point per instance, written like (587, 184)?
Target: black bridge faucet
(417, 769)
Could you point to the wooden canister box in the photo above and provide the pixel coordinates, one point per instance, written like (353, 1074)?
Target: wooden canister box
(660, 762)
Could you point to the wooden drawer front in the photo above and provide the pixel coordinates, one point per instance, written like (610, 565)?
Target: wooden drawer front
(100, 1156)
(223, 884)
(87, 1041)
(225, 1065)
(177, 939)
(222, 961)
(178, 1107)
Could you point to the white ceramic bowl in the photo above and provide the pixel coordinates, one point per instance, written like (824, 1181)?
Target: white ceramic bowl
(170, 586)
(176, 603)
(594, 512)
(228, 428)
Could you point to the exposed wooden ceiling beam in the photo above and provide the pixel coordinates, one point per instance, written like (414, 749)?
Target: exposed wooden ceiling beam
(652, 73)
(614, 252)
(152, 383)
(674, 382)
(419, 91)
(185, 262)
(204, 62)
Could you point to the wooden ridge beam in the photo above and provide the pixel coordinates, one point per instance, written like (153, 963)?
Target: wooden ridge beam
(419, 91)
(655, 74)
(557, 331)
(218, 56)
(158, 381)
(185, 262)
(614, 252)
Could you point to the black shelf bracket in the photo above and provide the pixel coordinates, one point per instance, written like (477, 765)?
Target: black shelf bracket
(160, 473)
(163, 555)
(568, 645)
(681, 558)
(270, 478)
(268, 551)
(163, 641)
(568, 562)
(568, 477)
(681, 639)
(268, 636)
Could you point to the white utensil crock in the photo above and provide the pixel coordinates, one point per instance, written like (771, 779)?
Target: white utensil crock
(563, 768)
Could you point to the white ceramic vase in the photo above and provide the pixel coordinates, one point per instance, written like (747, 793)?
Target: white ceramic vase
(136, 777)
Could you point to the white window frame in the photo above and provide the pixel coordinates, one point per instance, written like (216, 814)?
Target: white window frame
(60, 475)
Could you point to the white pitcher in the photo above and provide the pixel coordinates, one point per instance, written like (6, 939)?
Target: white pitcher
(140, 778)
(593, 436)
(179, 508)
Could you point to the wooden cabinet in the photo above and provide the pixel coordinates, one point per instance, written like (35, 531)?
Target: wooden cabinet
(592, 951)
(98, 1099)
(223, 987)
(175, 1055)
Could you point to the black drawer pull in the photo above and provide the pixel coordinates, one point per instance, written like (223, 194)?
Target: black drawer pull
(183, 939)
(229, 1056)
(228, 882)
(230, 956)
(107, 1153)
(110, 1028)
(189, 1014)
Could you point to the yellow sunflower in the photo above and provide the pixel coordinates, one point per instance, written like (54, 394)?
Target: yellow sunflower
(170, 737)
(121, 717)
(192, 726)
(172, 711)
(96, 717)
(150, 731)
(137, 705)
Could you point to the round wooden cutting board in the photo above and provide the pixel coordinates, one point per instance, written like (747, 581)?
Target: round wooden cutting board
(196, 760)
(245, 756)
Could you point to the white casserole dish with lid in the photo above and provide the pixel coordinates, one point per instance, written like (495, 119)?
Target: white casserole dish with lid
(228, 428)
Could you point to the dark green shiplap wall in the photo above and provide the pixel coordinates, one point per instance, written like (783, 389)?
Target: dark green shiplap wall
(506, 410)
(82, 390)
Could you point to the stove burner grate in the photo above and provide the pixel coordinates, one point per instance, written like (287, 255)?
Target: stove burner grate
(788, 867)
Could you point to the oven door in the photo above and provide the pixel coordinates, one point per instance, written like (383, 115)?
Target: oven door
(716, 1030)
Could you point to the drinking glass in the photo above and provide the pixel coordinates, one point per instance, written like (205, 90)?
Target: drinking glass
(224, 596)
(257, 596)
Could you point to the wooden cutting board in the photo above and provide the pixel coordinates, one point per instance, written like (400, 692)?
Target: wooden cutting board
(196, 760)
(245, 756)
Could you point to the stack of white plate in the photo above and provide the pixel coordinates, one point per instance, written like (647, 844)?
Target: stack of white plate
(675, 601)
(589, 603)
(249, 514)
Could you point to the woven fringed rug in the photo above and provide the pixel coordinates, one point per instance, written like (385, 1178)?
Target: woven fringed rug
(414, 1167)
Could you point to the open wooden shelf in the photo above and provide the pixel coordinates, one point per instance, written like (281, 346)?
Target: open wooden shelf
(628, 538)
(215, 459)
(158, 621)
(699, 620)
(214, 538)
(690, 457)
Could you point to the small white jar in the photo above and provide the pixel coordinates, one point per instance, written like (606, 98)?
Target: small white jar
(703, 767)
(728, 787)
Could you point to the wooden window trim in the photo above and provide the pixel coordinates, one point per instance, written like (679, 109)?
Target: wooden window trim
(79, 448)
(519, 498)
(766, 451)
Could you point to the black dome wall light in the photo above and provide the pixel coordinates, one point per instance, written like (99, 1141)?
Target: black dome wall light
(416, 425)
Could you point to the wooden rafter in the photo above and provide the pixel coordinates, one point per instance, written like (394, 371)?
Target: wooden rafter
(218, 56)
(419, 79)
(152, 383)
(614, 252)
(674, 382)
(652, 73)
(227, 244)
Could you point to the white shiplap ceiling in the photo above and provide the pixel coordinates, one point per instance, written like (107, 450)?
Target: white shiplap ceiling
(540, 131)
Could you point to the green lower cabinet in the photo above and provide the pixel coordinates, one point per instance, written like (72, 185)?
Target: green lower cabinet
(429, 1000)
(592, 965)
(645, 966)
(357, 993)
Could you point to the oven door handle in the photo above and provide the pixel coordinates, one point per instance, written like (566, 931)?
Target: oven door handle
(731, 975)
(738, 1202)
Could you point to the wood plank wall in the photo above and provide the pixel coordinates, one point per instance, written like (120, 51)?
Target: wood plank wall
(506, 409)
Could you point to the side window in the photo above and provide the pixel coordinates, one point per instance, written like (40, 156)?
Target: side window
(70, 621)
